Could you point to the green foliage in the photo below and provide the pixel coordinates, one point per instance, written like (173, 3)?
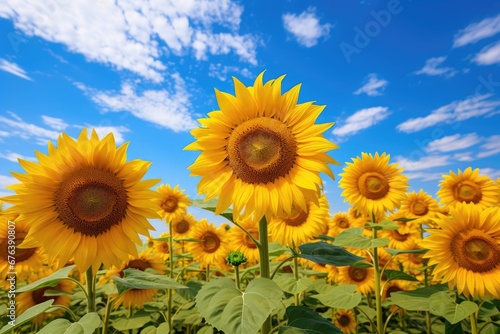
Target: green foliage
(288, 283)
(28, 315)
(138, 279)
(325, 253)
(51, 280)
(398, 275)
(383, 225)
(341, 296)
(138, 320)
(236, 312)
(443, 305)
(86, 325)
(405, 251)
(163, 328)
(302, 320)
(416, 300)
(354, 238)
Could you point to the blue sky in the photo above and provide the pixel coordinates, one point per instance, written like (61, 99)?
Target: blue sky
(419, 80)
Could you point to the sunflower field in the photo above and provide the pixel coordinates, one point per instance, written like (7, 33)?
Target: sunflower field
(73, 260)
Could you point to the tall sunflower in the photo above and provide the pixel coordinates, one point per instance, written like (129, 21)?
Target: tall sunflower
(468, 187)
(173, 203)
(239, 240)
(340, 222)
(345, 321)
(300, 226)
(372, 185)
(183, 226)
(83, 200)
(161, 247)
(261, 152)
(363, 278)
(212, 247)
(466, 250)
(420, 206)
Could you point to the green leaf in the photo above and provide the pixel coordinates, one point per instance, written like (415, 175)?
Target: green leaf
(193, 287)
(206, 330)
(384, 225)
(341, 296)
(443, 305)
(404, 220)
(136, 321)
(210, 206)
(416, 300)
(56, 327)
(405, 251)
(325, 253)
(325, 238)
(27, 315)
(398, 275)
(138, 279)
(453, 329)
(354, 238)
(362, 265)
(232, 311)
(368, 311)
(288, 283)
(51, 280)
(302, 320)
(163, 328)
(87, 325)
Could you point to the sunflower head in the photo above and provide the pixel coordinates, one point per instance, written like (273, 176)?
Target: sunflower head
(372, 185)
(183, 226)
(345, 321)
(173, 203)
(212, 247)
(363, 278)
(261, 151)
(87, 195)
(468, 187)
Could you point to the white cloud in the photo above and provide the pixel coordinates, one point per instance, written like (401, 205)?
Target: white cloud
(489, 55)
(463, 156)
(490, 147)
(456, 111)
(373, 85)
(55, 123)
(16, 127)
(12, 156)
(477, 31)
(424, 176)
(306, 27)
(117, 131)
(425, 162)
(136, 35)
(13, 68)
(360, 120)
(431, 67)
(161, 107)
(221, 72)
(453, 143)
(490, 172)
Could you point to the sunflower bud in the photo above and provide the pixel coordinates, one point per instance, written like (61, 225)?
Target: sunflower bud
(235, 258)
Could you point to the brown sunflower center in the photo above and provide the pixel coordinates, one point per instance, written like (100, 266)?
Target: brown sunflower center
(418, 208)
(170, 204)
(91, 201)
(399, 236)
(357, 274)
(344, 320)
(373, 185)
(181, 227)
(38, 295)
(21, 254)
(164, 247)
(249, 242)
(261, 150)
(416, 258)
(297, 218)
(343, 223)
(468, 191)
(210, 242)
(391, 289)
(476, 251)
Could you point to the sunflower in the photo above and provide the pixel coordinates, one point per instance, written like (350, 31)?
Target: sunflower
(173, 203)
(340, 222)
(372, 185)
(261, 152)
(468, 187)
(466, 251)
(420, 206)
(183, 226)
(161, 248)
(212, 247)
(395, 286)
(399, 239)
(301, 226)
(137, 297)
(27, 260)
(404, 226)
(412, 262)
(239, 240)
(345, 321)
(363, 278)
(64, 289)
(83, 200)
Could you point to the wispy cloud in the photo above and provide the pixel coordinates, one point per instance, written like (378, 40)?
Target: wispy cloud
(433, 67)
(489, 55)
(306, 27)
(464, 156)
(373, 86)
(4, 182)
(477, 31)
(12, 156)
(360, 120)
(221, 72)
(453, 143)
(453, 112)
(424, 176)
(13, 68)
(490, 147)
(162, 107)
(17, 127)
(137, 36)
(490, 172)
(425, 162)
(54, 123)
(118, 132)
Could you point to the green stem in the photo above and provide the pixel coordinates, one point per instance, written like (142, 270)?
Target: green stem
(105, 323)
(378, 297)
(237, 277)
(171, 274)
(264, 264)
(296, 276)
(90, 290)
(473, 323)
(280, 265)
(207, 273)
(67, 309)
(427, 313)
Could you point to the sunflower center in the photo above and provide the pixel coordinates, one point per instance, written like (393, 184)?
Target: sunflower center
(181, 227)
(297, 218)
(139, 264)
(169, 204)
(416, 258)
(164, 248)
(343, 223)
(38, 295)
(468, 191)
(249, 242)
(210, 242)
(392, 289)
(373, 185)
(261, 150)
(418, 208)
(400, 236)
(91, 201)
(357, 274)
(344, 320)
(22, 254)
(476, 251)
